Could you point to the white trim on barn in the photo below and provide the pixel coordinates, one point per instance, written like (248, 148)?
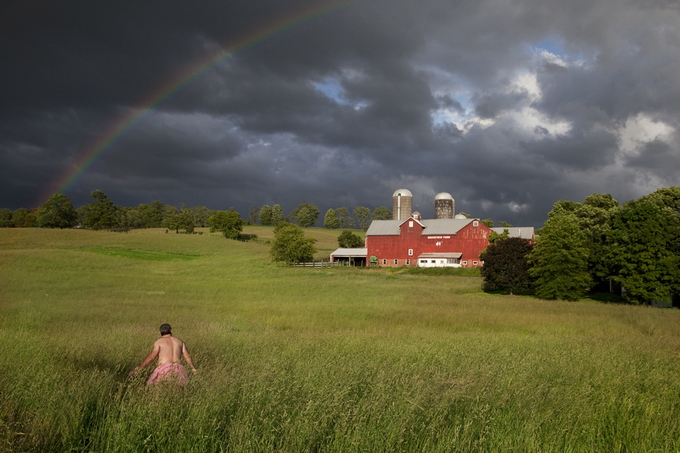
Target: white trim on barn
(439, 260)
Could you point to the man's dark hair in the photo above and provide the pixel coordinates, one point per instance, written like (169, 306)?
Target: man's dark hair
(166, 329)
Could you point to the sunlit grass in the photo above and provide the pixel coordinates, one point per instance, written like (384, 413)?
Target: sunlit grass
(326, 239)
(295, 359)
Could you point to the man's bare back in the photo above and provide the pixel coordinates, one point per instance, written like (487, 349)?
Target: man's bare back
(168, 350)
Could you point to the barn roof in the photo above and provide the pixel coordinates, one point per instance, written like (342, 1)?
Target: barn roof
(384, 228)
(444, 226)
(432, 227)
(516, 232)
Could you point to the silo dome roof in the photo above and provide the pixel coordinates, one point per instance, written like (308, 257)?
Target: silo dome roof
(403, 193)
(443, 196)
(460, 216)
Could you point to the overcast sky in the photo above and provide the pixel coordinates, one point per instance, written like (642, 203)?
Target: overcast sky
(508, 105)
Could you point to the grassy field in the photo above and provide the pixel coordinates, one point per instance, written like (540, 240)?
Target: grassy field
(317, 360)
(326, 240)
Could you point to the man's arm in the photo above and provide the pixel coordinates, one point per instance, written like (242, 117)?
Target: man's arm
(187, 357)
(154, 353)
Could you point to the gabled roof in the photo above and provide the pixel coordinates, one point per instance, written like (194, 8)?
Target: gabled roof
(350, 252)
(413, 219)
(516, 232)
(431, 226)
(445, 226)
(384, 228)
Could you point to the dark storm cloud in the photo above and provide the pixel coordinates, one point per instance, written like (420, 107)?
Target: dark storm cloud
(575, 151)
(491, 104)
(508, 106)
(657, 158)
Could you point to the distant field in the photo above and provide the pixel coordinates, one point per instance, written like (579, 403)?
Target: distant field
(299, 359)
(327, 240)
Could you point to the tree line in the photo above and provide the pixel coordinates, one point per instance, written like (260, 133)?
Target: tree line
(307, 215)
(102, 213)
(597, 245)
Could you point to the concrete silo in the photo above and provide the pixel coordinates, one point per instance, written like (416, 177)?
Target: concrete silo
(402, 204)
(444, 206)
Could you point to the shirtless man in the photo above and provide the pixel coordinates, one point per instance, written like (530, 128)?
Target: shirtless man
(168, 350)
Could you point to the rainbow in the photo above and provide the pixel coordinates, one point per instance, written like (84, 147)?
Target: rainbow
(148, 105)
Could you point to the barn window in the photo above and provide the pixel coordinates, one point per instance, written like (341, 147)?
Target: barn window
(475, 223)
(452, 260)
(464, 263)
(423, 261)
(474, 263)
(384, 261)
(408, 262)
(410, 224)
(396, 261)
(410, 252)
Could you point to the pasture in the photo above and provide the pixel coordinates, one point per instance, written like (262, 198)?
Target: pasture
(313, 360)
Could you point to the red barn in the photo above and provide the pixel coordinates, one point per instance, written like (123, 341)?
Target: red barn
(427, 243)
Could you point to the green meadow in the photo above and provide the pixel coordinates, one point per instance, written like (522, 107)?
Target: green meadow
(313, 360)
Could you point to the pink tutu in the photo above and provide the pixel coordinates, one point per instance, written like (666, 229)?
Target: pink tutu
(167, 372)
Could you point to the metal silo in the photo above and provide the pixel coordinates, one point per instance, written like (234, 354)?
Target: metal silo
(444, 206)
(402, 204)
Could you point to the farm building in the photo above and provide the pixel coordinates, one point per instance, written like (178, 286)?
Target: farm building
(515, 232)
(350, 257)
(427, 243)
(448, 240)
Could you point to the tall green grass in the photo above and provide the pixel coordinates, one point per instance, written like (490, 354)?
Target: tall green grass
(295, 359)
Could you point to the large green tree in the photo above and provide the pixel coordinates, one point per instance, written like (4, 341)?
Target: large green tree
(57, 212)
(101, 213)
(644, 246)
(381, 213)
(169, 211)
(330, 220)
(349, 240)
(594, 218)
(132, 218)
(229, 223)
(363, 216)
(6, 218)
(151, 215)
(277, 215)
(180, 221)
(506, 267)
(291, 245)
(305, 215)
(24, 218)
(559, 260)
(200, 215)
(345, 220)
(266, 215)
